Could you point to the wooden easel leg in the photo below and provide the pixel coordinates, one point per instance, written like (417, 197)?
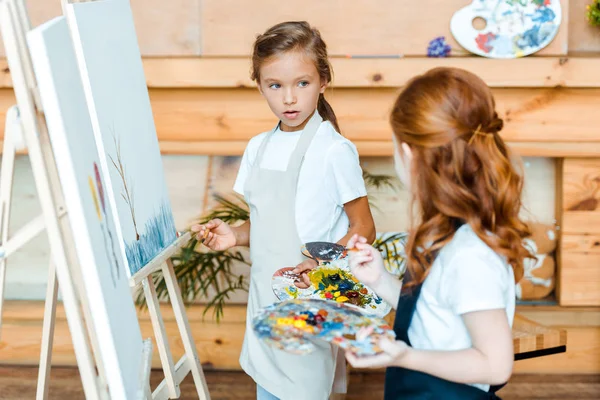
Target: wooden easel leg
(160, 334)
(47, 334)
(6, 178)
(185, 331)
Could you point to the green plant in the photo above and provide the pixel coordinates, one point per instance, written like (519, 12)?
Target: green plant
(209, 275)
(593, 13)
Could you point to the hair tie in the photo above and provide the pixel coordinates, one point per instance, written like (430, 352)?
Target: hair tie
(478, 132)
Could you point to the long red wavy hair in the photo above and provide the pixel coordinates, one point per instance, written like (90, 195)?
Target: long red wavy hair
(461, 170)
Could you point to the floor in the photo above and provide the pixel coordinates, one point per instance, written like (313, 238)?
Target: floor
(17, 382)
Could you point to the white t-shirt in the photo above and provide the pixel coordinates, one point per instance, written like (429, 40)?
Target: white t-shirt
(330, 176)
(466, 276)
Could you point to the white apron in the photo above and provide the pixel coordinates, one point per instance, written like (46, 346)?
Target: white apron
(274, 244)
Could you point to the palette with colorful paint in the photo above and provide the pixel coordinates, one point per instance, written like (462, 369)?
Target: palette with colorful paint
(513, 28)
(332, 281)
(295, 325)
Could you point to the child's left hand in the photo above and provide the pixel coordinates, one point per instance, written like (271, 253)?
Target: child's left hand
(302, 269)
(393, 353)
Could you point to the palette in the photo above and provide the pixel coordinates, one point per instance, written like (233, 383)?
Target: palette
(332, 278)
(324, 251)
(513, 28)
(332, 281)
(296, 325)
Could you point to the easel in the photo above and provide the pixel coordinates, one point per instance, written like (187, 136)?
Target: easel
(15, 24)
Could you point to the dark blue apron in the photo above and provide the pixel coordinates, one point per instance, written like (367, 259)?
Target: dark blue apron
(401, 383)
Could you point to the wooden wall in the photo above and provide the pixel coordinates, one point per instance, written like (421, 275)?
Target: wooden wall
(219, 344)
(197, 67)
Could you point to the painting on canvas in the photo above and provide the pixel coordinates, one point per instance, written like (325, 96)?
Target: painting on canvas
(109, 59)
(103, 271)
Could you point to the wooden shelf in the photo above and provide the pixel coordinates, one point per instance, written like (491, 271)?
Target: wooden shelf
(233, 72)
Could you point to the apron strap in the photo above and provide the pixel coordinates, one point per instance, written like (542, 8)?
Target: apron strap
(263, 146)
(407, 304)
(306, 138)
(310, 129)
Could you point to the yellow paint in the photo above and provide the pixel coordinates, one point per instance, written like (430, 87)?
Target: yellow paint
(95, 196)
(299, 323)
(285, 321)
(341, 299)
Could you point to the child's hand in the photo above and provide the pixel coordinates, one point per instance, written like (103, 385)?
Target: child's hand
(392, 355)
(215, 234)
(302, 269)
(365, 261)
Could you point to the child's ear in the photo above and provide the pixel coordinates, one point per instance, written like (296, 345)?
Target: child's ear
(324, 85)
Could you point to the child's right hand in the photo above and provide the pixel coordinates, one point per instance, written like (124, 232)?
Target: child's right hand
(365, 261)
(215, 234)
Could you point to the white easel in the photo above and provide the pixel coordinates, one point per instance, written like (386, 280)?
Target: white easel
(15, 23)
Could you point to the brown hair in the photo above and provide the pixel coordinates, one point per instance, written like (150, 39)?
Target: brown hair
(296, 36)
(462, 170)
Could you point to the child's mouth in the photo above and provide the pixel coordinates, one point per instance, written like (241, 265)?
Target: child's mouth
(291, 114)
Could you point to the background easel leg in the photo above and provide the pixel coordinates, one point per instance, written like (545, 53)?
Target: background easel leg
(47, 334)
(6, 178)
(162, 341)
(185, 331)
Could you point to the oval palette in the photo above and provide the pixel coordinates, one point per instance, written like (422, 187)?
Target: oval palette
(294, 325)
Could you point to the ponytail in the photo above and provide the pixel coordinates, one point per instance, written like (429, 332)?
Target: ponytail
(326, 112)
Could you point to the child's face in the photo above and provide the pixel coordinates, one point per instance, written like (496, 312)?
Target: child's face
(402, 161)
(291, 85)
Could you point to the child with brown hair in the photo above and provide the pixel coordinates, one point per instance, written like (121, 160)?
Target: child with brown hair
(303, 183)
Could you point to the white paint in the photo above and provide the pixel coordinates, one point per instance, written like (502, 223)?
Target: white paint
(114, 318)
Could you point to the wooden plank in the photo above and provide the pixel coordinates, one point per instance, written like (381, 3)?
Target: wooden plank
(581, 200)
(583, 37)
(586, 243)
(579, 279)
(210, 72)
(219, 344)
(170, 28)
(530, 336)
(383, 72)
(542, 115)
(374, 148)
(582, 356)
(561, 316)
(219, 121)
(348, 27)
(384, 148)
(558, 213)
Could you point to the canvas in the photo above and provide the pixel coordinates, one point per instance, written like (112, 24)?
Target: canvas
(114, 319)
(109, 59)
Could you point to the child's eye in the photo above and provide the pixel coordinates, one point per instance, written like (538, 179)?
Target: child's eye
(303, 84)
(274, 86)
